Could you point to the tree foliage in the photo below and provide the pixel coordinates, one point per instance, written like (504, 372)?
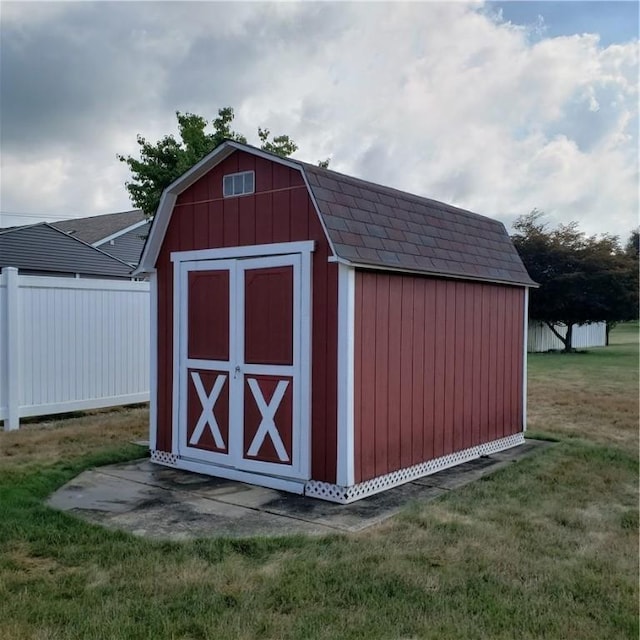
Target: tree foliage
(582, 278)
(161, 163)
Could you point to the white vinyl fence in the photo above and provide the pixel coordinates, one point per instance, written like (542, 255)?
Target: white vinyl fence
(541, 338)
(71, 344)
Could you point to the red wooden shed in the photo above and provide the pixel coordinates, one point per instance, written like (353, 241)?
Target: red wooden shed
(324, 335)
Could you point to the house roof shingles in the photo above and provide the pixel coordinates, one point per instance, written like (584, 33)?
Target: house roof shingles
(96, 228)
(370, 224)
(128, 246)
(43, 248)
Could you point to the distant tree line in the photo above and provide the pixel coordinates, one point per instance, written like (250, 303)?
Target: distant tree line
(583, 279)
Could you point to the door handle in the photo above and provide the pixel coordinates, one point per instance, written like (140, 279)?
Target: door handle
(236, 371)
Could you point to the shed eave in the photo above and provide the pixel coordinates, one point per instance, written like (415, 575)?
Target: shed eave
(423, 272)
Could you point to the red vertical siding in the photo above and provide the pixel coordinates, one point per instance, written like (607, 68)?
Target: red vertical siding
(268, 315)
(438, 344)
(366, 329)
(417, 376)
(430, 378)
(438, 368)
(208, 316)
(406, 355)
(380, 395)
(279, 211)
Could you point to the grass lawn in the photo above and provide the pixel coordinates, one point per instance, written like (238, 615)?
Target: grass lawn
(546, 548)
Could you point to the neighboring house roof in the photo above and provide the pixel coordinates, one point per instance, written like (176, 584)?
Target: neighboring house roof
(98, 228)
(127, 246)
(121, 235)
(370, 225)
(44, 249)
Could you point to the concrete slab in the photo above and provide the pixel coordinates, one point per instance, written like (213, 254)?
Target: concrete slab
(159, 502)
(95, 491)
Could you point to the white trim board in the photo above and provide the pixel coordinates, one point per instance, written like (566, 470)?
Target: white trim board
(338, 493)
(346, 494)
(346, 377)
(219, 471)
(525, 335)
(249, 251)
(427, 274)
(153, 360)
(117, 234)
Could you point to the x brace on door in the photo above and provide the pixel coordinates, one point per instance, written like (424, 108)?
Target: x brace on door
(207, 416)
(267, 425)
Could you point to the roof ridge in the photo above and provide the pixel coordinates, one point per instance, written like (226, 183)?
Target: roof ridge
(98, 215)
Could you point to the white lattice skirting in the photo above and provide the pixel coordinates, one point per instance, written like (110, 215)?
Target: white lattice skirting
(344, 495)
(164, 457)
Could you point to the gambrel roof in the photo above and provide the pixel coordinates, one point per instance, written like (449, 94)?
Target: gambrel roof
(372, 226)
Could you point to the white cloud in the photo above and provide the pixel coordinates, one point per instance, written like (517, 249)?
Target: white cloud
(435, 98)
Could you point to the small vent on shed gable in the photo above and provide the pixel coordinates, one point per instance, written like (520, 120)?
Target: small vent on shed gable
(238, 184)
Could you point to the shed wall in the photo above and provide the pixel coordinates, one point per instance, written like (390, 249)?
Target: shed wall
(279, 211)
(438, 368)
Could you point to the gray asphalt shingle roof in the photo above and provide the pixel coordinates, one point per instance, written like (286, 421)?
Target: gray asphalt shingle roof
(370, 224)
(43, 248)
(96, 228)
(129, 245)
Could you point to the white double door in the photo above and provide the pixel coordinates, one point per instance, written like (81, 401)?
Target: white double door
(242, 371)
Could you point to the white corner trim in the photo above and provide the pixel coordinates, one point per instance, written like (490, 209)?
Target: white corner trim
(306, 355)
(153, 360)
(255, 250)
(525, 336)
(117, 234)
(346, 494)
(346, 346)
(176, 406)
(158, 230)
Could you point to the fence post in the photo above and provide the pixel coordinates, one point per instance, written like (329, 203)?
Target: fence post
(12, 349)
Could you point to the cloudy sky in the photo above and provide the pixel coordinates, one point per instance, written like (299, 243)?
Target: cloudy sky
(499, 107)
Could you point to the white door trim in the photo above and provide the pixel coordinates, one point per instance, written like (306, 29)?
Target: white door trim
(237, 260)
(254, 250)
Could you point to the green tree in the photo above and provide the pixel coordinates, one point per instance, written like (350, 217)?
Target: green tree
(632, 248)
(582, 278)
(161, 163)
